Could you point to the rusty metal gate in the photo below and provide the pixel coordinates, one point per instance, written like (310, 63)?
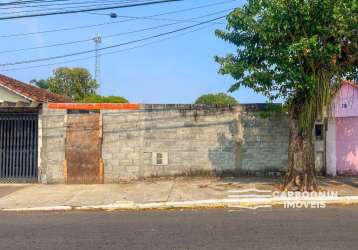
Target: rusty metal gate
(83, 149)
(18, 147)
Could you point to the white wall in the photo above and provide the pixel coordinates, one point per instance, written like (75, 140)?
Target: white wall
(9, 96)
(331, 148)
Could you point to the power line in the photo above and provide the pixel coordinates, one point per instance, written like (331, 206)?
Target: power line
(89, 9)
(110, 53)
(25, 2)
(24, 6)
(112, 46)
(114, 22)
(176, 21)
(67, 7)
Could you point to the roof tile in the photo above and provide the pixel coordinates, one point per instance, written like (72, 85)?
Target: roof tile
(31, 92)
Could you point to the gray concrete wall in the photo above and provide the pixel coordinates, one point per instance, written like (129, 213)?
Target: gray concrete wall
(264, 148)
(195, 142)
(52, 145)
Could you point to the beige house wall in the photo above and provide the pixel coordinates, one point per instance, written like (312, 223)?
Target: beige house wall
(9, 96)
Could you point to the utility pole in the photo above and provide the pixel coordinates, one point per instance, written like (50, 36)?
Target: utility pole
(97, 43)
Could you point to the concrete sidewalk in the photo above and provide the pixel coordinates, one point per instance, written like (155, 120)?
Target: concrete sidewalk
(158, 193)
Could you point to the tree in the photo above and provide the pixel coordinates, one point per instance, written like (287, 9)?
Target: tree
(104, 99)
(216, 99)
(40, 83)
(76, 83)
(298, 50)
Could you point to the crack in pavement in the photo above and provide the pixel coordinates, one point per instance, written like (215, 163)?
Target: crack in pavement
(170, 191)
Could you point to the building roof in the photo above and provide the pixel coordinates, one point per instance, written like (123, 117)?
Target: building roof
(31, 92)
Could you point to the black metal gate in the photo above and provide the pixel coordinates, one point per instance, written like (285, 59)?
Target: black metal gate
(18, 147)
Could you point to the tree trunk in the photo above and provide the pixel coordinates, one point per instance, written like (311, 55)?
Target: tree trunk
(301, 167)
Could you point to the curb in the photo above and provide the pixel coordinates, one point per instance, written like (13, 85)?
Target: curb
(250, 203)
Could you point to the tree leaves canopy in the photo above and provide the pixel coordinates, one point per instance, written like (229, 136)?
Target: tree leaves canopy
(43, 84)
(216, 99)
(297, 50)
(76, 83)
(104, 99)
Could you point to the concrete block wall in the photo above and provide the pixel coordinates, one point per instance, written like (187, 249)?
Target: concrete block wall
(121, 144)
(52, 145)
(196, 141)
(264, 149)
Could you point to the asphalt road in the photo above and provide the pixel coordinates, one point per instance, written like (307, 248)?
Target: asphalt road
(330, 228)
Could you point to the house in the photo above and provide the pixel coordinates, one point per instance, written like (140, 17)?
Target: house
(20, 108)
(14, 91)
(342, 132)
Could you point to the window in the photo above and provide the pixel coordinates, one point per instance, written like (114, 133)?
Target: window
(319, 132)
(160, 158)
(344, 105)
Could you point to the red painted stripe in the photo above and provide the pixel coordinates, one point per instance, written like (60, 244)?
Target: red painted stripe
(94, 106)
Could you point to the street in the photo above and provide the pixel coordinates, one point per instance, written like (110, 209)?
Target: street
(330, 228)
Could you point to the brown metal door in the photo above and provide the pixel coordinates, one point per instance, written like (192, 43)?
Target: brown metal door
(83, 149)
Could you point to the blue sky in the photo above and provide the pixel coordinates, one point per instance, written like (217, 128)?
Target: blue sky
(173, 71)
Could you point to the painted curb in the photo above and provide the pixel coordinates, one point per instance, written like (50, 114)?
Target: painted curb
(214, 203)
(38, 209)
